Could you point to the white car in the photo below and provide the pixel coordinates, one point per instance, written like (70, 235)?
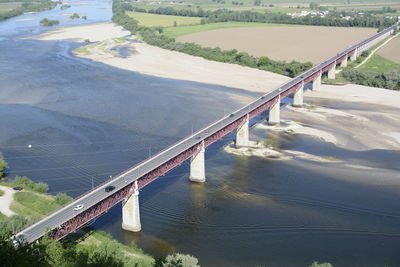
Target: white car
(78, 207)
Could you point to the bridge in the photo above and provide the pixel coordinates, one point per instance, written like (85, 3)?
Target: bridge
(128, 183)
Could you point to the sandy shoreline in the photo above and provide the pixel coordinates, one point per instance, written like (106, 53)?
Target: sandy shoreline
(151, 60)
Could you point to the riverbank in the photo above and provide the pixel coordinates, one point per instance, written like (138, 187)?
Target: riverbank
(131, 54)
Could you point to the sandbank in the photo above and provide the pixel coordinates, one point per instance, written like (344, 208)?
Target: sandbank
(151, 60)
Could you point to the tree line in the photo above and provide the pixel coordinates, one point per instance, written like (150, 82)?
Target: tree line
(333, 18)
(388, 80)
(28, 6)
(154, 36)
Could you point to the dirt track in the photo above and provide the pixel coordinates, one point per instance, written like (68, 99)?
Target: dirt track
(302, 43)
(391, 50)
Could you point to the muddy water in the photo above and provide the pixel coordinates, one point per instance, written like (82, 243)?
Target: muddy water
(86, 121)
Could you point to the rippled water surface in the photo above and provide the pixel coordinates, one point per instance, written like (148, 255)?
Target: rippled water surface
(86, 121)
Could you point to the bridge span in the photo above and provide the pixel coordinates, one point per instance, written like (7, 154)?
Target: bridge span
(128, 183)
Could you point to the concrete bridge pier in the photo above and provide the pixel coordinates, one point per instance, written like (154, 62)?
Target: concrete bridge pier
(354, 55)
(343, 64)
(332, 72)
(242, 134)
(131, 212)
(298, 96)
(198, 166)
(275, 113)
(316, 84)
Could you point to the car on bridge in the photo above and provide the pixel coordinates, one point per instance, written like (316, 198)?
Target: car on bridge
(109, 188)
(78, 207)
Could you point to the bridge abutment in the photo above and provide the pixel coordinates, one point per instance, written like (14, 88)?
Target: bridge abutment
(131, 212)
(332, 72)
(275, 113)
(198, 166)
(316, 84)
(242, 135)
(298, 96)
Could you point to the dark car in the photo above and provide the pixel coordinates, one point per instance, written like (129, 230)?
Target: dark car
(18, 188)
(109, 188)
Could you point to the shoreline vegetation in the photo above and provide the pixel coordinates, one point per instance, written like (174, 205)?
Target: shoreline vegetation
(27, 6)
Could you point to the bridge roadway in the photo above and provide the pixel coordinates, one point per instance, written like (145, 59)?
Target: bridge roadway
(70, 220)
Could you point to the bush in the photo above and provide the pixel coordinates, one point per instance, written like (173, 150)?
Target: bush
(389, 80)
(3, 165)
(62, 198)
(316, 264)
(178, 259)
(28, 184)
(41, 187)
(48, 22)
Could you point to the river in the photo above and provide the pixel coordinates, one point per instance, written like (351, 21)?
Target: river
(73, 123)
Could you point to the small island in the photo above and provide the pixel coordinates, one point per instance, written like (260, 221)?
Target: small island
(48, 22)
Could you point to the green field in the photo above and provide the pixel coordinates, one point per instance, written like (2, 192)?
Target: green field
(379, 64)
(153, 20)
(184, 30)
(4, 7)
(1, 193)
(32, 204)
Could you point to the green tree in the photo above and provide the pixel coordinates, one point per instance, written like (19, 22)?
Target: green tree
(257, 2)
(41, 187)
(316, 264)
(3, 165)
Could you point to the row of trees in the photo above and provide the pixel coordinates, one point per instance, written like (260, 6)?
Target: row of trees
(389, 80)
(334, 18)
(155, 37)
(28, 6)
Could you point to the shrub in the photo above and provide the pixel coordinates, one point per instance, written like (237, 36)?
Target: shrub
(3, 165)
(62, 198)
(41, 187)
(178, 259)
(316, 264)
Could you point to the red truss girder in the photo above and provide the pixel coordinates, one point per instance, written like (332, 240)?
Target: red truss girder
(342, 58)
(169, 165)
(84, 217)
(351, 53)
(312, 77)
(263, 107)
(328, 67)
(291, 90)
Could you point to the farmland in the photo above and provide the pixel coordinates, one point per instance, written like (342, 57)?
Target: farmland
(391, 50)
(301, 43)
(184, 30)
(152, 20)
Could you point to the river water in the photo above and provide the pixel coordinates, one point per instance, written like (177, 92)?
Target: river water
(86, 121)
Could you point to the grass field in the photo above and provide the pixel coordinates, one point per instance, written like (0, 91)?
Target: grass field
(301, 43)
(32, 204)
(1, 193)
(152, 20)
(96, 238)
(184, 30)
(378, 64)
